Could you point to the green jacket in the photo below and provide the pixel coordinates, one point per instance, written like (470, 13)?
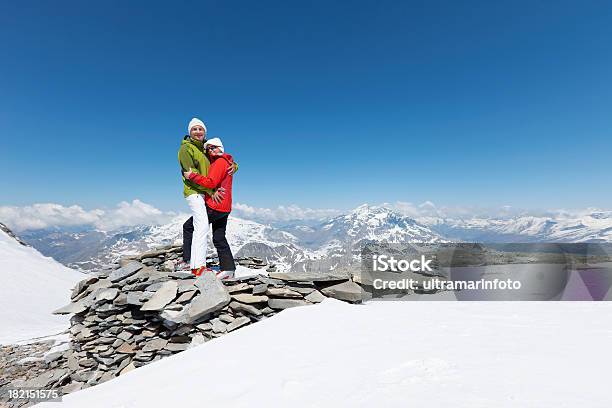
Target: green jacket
(191, 156)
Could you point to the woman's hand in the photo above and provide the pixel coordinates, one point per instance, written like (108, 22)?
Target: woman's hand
(218, 195)
(187, 174)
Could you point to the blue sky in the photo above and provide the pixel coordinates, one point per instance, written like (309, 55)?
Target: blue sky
(323, 104)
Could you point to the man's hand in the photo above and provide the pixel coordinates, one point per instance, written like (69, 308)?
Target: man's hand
(218, 195)
(232, 169)
(187, 174)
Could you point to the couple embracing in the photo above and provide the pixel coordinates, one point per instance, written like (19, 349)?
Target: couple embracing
(207, 173)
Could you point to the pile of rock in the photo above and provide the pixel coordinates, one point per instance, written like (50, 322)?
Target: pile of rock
(143, 311)
(166, 258)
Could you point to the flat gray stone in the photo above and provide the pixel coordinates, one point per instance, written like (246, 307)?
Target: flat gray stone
(49, 358)
(120, 300)
(283, 292)
(125, 271)
(87, 362)
(127, 368)
(74, 307)
(172, 318)
(213, 296)
(99, 285)
(226, 318)
(239, 322)
(248, 298)
(238, 288)
(186, 285)
(154, 345)
(186, 296)
(218, 326)
(176, 346)
(205, 326)
(84, 334)
(180, 275)
(260, 289)
(108, 307)
(304, 290)
(268, 310)
(243, 308)
(125, 335)
(107, 294)
(164, 295)
(124, 362)
(154, 287)
(285, 303)
(315, 297)
(348, 291)
(151, 261)
(126, 348)
(82, 285)
(152, 253)
(83, 304)
(310, 276)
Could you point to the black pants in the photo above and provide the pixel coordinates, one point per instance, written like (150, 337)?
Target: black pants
(219, 224)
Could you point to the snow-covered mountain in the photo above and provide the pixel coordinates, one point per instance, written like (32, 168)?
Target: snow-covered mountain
(324, 245)
(380, 224)
(584, 226)
(31, 287)
(332, 243)
(93, 248)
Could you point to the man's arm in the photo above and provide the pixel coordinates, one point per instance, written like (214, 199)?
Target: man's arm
(232, 169)
(216, 173)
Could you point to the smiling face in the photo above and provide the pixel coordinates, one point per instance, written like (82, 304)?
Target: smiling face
(213, 150)
(197, 133)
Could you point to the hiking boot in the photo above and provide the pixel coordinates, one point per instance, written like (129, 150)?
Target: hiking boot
(222, 275)
(199, 271)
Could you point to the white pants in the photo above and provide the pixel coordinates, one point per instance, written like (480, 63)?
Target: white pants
(200, 230)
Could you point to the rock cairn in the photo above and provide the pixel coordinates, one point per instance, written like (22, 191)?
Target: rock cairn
(142, 311)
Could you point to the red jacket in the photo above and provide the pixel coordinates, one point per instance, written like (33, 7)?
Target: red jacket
(217, 177)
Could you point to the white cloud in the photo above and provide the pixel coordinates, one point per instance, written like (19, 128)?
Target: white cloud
(428, 211)
(281, 213)
(45, 215)
(136, 212)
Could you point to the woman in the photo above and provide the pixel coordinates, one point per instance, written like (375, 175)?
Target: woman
(219, 176)
(191, 156)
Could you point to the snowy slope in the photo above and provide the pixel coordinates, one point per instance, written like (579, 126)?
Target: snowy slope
(31, 287)
(390, 354)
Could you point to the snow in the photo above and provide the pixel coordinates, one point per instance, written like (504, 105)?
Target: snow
(243, 271)
(31, 287)
(459, 354)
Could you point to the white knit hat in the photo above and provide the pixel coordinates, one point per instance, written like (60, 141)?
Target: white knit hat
(214, 142)
(195, 122)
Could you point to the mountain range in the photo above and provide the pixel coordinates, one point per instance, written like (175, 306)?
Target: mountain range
(328, 244)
